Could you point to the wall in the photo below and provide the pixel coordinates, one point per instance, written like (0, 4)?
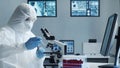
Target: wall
(6, 9)
(79, 29)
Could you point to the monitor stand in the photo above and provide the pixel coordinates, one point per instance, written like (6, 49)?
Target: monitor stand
(116, 62)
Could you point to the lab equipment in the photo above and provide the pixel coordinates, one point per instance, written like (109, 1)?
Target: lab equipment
(51, 41)
(56, 48)
(73, 61)
(13, 53)
(109, 41)
(33, 42)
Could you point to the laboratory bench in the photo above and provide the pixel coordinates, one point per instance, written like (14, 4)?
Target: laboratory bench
(88, 61)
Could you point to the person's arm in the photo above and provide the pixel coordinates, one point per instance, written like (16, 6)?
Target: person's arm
(7, 50)
(7, 46)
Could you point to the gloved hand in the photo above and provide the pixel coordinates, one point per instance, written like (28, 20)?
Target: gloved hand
(40, 52)
(33, 42)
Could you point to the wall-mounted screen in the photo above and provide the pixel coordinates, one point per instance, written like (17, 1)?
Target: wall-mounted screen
(44, 8)
(85, 8)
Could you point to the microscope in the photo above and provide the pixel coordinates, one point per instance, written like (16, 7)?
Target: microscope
(57, 48)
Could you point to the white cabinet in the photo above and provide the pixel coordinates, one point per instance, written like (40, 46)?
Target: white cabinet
(91, 49)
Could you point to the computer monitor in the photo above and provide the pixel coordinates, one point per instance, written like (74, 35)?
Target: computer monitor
(108, 40)
(69, 46)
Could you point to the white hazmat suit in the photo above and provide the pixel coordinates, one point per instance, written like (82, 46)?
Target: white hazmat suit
(13, 36)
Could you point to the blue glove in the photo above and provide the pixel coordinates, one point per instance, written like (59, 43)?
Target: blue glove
(33, 42)
(40, 52)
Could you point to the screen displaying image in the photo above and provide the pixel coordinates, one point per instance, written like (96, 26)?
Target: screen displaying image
(70, 46)
(44, 8)
(85, 8)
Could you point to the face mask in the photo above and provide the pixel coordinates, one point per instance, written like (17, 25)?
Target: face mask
(28, 25)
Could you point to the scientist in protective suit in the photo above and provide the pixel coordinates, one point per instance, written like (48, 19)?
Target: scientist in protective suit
(18, 45)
